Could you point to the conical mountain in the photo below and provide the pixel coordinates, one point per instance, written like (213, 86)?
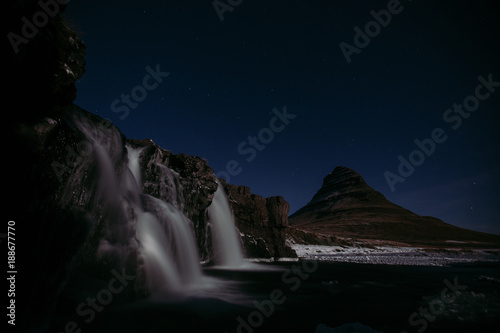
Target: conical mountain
(346, 206)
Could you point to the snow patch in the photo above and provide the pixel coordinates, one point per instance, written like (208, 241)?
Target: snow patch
(387, 255)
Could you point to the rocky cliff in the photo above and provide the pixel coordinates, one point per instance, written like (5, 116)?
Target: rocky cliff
(196, 181)
(262, 222)
(346, 206)
(73, 198)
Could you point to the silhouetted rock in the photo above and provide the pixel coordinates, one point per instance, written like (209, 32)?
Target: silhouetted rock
(262, 222)
(43, 66)
(39, 76)
(75, 233)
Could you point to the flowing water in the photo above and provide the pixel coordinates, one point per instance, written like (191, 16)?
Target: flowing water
(167, 239)
(227, 245)
(165, 234)
(304, 296)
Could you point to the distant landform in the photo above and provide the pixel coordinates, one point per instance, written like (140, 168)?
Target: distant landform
(346, 208)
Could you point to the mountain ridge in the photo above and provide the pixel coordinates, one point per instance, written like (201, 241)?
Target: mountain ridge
(346, 206)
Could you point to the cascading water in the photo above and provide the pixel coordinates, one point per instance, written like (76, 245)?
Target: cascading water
(134, 165)
(226, 242)
(166, 236)
(169, 249)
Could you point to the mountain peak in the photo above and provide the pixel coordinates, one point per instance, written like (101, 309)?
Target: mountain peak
(344, 175)
(337, 184)
(347, 206)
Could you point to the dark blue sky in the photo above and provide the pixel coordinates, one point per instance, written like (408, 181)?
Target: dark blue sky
(225, 78)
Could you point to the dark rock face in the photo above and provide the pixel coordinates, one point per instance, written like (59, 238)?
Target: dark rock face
(262, 221)
(79, 231)
(65, 164)
(40, 74)
(44, 66)
(345, 206)
(193, 189)
(65, 217)
(83, 233)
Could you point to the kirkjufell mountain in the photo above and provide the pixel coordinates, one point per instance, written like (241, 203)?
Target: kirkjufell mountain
(346, 206)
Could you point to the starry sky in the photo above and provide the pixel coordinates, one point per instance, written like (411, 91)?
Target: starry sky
(277, 93)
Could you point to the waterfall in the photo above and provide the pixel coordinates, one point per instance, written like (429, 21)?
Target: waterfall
(165, 235)
(134, 165)
(167, 239)
(225, 239)
(162, 234)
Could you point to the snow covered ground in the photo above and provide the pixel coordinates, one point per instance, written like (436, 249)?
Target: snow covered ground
(391, 255)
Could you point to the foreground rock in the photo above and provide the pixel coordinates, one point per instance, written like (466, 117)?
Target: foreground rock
(262, 222)
(74, 235)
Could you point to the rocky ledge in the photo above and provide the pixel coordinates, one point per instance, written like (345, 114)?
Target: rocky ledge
(262, 222)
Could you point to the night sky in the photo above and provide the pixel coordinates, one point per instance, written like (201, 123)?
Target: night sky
(226, 77)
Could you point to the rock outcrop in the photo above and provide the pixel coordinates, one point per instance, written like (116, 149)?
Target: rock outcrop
(40, 71)
(82, 223)
(262, 222)
(193, 189)
(71, 193)
(346, 206)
